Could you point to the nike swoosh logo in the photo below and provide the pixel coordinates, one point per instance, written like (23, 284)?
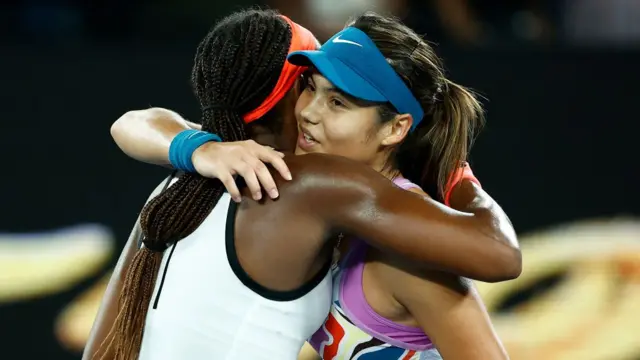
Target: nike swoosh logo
(337, 40)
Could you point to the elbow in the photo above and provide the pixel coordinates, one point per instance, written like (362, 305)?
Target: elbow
(513, 265)
(507, 257)
(508, 266)
(134, 122)
(118, 128)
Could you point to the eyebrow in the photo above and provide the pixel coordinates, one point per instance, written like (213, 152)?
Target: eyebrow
(341, 93)
(350, 98)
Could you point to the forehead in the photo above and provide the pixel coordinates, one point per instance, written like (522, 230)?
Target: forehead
(318, 78)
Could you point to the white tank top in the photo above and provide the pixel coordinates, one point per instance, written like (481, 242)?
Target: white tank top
(205, 306)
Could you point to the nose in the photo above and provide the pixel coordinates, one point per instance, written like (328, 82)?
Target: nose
(310, 115)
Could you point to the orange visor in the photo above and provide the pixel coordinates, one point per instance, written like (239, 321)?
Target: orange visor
(301, 39)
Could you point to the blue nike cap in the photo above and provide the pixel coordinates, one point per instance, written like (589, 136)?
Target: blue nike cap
(352, 62)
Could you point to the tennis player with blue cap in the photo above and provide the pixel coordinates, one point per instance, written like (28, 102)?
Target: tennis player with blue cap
(352, 62)
(357, 101)
(376, 93)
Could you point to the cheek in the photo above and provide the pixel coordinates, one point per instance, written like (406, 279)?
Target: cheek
(349, 139)
(344, 132)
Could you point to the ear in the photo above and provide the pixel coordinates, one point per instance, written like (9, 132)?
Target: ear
(396, 130)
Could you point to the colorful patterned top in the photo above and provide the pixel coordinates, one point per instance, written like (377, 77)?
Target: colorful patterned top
(353, 330)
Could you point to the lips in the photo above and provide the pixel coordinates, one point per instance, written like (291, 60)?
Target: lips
(307, 135)
(306, 141)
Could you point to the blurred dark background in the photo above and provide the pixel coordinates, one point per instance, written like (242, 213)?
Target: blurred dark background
(560, 82)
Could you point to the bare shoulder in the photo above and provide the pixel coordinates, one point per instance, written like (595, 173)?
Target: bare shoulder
(330, 171)
(313, 163)
(334, 185)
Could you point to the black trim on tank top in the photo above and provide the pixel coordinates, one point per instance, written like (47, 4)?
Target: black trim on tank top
(164, 275)
(242, 275)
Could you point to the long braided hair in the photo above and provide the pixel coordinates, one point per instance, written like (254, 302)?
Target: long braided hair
(236, 66)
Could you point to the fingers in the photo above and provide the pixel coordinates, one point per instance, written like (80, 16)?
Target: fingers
(244, 169)
(230, 184)
(246, 159)
(275, 158)
(266, 154)
(281, 154)
(264, 176)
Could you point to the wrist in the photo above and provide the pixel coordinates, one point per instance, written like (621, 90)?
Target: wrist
(202, 150)
(184, 145)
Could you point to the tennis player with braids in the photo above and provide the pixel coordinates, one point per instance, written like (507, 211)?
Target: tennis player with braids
(261, 288)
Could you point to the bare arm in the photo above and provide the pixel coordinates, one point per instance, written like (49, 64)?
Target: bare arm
(486, 241)
(145, 135)
(109, 307)
(353, 197)
(450, 311)
(469, 197)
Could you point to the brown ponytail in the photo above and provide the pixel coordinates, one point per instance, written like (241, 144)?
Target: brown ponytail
(236, 67)
(441, 141)
(455, 118)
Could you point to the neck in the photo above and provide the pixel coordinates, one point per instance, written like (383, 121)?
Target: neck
(387, 171)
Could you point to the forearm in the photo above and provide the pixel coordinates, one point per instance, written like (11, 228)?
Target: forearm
(146, 135)
(354, 198)
(491, 219)
(440, 238)
(469, 197)
(433, 235)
